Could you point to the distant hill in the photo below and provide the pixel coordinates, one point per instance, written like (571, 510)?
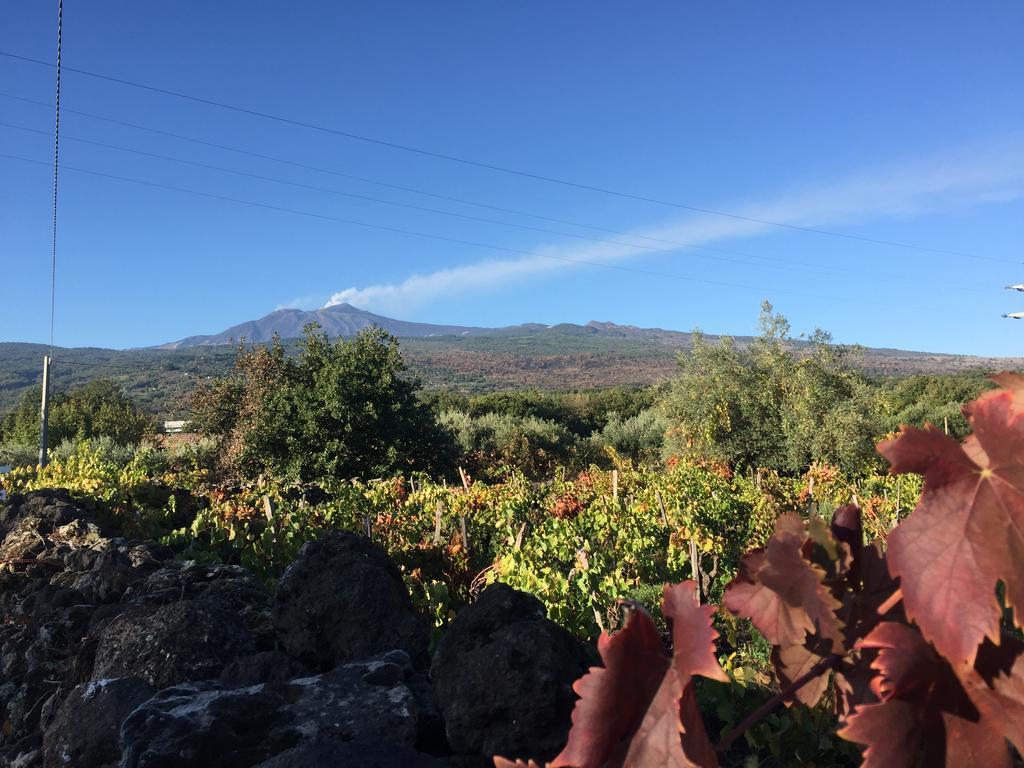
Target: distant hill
(345, 320)
(467, 358)
(338, 320)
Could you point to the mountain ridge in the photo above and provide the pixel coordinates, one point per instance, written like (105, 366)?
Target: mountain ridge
(346, 320)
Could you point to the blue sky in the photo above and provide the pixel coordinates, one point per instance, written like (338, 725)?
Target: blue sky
(897, 122)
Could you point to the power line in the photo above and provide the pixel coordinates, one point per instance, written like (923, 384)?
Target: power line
(798, 266)
(414, 190)
(425, 235)
(802, 267)
(490, 166)
(56, 166)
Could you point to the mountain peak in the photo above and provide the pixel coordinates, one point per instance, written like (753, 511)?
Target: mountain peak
(345, 320)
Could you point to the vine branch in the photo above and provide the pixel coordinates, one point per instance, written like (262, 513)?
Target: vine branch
(826, 664)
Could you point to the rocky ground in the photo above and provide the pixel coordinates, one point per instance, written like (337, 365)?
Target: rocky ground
(113, 653)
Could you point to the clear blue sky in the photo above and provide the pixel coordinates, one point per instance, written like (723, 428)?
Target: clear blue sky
(891, 121)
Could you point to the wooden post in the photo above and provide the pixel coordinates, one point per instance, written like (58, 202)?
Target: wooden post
(519, 537)
(695, 566)
(945, 424)
(462, 518)
(412, 484)
(437, 521)
(268, 508)
(44, 414)
(615, 485)
(661, 505)
(369, 528)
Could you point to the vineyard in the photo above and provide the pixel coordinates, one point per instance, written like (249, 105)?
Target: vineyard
(578, 543)
(743, 616)
(581, 544)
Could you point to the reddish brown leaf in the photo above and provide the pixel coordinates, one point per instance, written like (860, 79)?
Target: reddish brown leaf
(969, 744)
(905, 661)
(900, 734)
(501, 762)
(891, 731)
(782, 593)
(658, 740)
(614, 699)
(693, 643)
(967, 532)
(924, 713)
(847, 529)
(793, 662)
(693, 637)
(996, 686)
(640, 709)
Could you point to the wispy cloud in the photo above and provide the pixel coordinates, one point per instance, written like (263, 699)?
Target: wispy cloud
(955, 180)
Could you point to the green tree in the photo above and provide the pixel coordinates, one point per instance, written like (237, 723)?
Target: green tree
(339, 410)
(930, 399)
(778, 403)
(99, 409)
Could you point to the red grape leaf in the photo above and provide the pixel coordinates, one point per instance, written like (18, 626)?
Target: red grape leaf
(847, 529)
(924, 710)
(967, 532)
(905, 662)
(784, 594)
(898, 732)
(693, 646)
(693, 637)
(794, 661)
(970, 744)
(640, 709)
(658, 739)
(891, 731)
(614, 699)
(996, 686)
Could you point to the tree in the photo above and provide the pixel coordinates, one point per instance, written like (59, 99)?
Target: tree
(340, 410)
(99, 409)
(778, 403)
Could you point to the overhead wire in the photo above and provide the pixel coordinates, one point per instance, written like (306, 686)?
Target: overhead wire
(425, 235)
(783, 263)
(403, 188)
(797, 266)
(490, 166)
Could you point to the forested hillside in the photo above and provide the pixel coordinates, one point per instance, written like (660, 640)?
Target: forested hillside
(551, 360)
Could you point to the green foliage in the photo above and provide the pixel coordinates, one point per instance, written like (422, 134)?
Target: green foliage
(796, 736)
(340, 410)
(16, 454)
(928, 399)
(773, 404)
(493, 440)
(640, 437)
(99, 409)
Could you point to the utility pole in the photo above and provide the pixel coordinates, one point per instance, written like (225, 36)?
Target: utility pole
(44, 405)
(44, 414)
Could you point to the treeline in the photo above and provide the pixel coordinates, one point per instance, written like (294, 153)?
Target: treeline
(100, 409)
(779, 403)
(350, 409)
